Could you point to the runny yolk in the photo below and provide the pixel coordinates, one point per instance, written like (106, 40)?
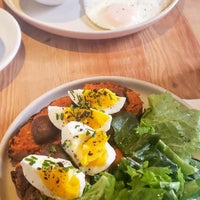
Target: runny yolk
(118, 14)
(93, 151)
(61, 183)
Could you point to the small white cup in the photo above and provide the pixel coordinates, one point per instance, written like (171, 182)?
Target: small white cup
(50, 2)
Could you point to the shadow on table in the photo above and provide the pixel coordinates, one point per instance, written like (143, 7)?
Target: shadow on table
(10, 72)
(182, 87)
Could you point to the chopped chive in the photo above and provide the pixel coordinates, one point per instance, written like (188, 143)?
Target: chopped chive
(47, 164)
(94, 134)
(67, 143)
(79, 171)
(57, 116)
(99, 101)
(52, 149)
(43, 197)
(77, 126)
(31, 160)
(72, 93)
(67, 168)
(61, 116)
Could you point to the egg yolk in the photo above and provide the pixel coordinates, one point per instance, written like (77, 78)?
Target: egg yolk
(92, 152)
(99, 99)
(118, 14)
(61, 182)
(91, 117)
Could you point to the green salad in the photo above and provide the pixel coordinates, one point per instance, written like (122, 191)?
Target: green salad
(158, 151)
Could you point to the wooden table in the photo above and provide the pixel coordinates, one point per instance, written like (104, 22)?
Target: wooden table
(167, 54)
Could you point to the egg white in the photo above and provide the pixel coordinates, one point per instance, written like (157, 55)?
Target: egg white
(111, 14)
(30, 170)
(54, 111)
(70, 141)
(76, 95)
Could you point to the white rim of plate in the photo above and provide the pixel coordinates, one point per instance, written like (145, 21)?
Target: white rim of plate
(93, 35)
(16, 37)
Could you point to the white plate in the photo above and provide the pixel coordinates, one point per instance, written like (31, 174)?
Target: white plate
(10, 38)
(69, 19)
(7, 189)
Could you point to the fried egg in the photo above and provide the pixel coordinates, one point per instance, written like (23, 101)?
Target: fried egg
(88, 148)
(60, 116)
(102, 99)
(111, 14)
(55, 178)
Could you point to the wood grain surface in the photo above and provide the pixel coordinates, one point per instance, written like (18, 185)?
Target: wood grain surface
(166, 54)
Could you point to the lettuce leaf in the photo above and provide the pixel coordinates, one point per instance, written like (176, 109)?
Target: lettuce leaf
(178, 126)
(103, 189)
(192, 190)
(125, 135)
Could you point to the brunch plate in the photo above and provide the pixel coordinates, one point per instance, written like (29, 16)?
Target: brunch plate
(69, 19)
(10, 38)
(7, 189)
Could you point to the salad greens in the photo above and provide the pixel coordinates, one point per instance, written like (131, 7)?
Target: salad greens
(157, 160)
(103, 189)
(178, 126)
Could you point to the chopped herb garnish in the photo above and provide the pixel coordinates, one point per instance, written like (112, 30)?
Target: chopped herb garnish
(72, 93)
(67, 144)
(94, 134)
(79, 171)
(31, 160)
(42, 197)
(67, 168)
(52, 149)
(57, 116)
(47, 164)
(77, 126)
(61, 116)
(99, 101)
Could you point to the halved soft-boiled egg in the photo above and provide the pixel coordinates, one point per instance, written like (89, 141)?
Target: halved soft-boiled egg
(102, 99)
(55, 178)
(111, 14)
(88, 148)
(96, 119)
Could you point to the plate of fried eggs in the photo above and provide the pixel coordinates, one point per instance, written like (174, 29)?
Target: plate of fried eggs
(91, 19)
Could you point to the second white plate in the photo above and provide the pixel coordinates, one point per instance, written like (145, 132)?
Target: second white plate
(10, 38)
(70, 20)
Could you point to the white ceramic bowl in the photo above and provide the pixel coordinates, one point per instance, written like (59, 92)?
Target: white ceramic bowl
(50, 2)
